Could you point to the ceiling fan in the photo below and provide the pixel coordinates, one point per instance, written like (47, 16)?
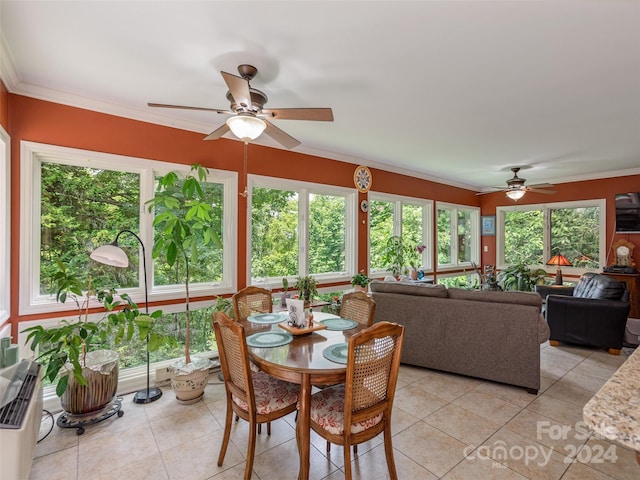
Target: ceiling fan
(250, 118)
(516, 188)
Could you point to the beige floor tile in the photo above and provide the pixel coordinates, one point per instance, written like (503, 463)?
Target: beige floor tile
(492, 408)
(462, 424)
(142, 469)
(429, 447)
(580, 471)
(564, 439)
(565, 413)
(336, 452)
(610, 459)
(446, 386)
(516, 395)
(525, 456)
(417, 402)
(56, 440)
(479, 467)
(60, 465)
(281, 432)
(593, 384)
(106, 453)
(401, 420)
(599, 366)
(409, 374)
(197, 459)
(283, 462)
(569, 392)
(234, 473)
(373, 466)
(183, 425)
(554, 365)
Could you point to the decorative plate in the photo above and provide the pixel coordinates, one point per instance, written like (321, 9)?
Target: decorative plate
(362, 178)
(337, 353)
(267, 317)
(339, 323)
(269, 339)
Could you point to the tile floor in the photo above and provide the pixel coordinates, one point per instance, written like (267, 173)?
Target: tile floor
(444, 426)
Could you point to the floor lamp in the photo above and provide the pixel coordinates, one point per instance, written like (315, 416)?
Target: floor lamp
(113, 255)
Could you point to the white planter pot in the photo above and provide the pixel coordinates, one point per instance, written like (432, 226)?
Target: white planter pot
(189, 380)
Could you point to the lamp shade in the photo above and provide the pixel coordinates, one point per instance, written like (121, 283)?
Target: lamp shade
(515, 194)
(246, 127)
(559, 260)
(110, 255)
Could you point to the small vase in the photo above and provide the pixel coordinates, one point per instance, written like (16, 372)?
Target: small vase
(414, 274)
(283, 299)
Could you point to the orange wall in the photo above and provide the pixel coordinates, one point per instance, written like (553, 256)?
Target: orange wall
(46, 122)
(4, 109)
(51, 123)
(591, 189)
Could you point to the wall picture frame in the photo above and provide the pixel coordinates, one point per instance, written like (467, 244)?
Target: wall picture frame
(488, 225)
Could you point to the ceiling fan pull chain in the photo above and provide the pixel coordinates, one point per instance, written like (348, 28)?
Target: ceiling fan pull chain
(246, 192)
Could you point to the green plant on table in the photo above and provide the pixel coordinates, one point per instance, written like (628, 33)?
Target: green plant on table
(520, 277)
(361, 279)
(308, 287)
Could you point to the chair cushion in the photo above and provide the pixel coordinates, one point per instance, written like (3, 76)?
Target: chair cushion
(271, 394)
(327, 410)
(596, 286)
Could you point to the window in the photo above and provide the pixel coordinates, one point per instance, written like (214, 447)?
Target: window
(5, 229)
(409, 218)
(74, 201)
(299, 229)
(531, 234)
(458, 235)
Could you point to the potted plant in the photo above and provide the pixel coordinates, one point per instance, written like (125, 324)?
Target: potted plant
(520, 277)
(74, 357)
(184, 225)
(415, 260)
(394, 256)
(285, 292)
(307, 286)
(360, 281)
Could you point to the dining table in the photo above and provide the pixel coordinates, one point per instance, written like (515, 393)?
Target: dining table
(303, 361)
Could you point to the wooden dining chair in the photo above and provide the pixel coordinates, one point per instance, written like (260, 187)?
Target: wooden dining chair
(255, 397)
(358, 306)
(251, 300)
(360, 409)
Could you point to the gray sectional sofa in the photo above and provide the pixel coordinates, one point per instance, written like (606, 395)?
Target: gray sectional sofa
(485, 334)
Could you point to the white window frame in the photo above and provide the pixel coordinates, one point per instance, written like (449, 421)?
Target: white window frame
(601, 203)
(427, 226)
(304, 189)
(5, 225)
(475, 236)
(33, 154)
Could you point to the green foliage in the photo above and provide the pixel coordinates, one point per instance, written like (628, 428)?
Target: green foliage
(327, 227)
(394, 255)
(285, 285)
(63, 348)
(307, 286)
(520, 277)
(380, 230)
(360, 279)
(184, 225)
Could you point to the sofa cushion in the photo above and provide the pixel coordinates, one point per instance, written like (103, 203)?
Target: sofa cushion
(594, 285)
(518, 298)
(423, 289)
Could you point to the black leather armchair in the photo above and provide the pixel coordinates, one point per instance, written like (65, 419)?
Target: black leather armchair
(592, 313)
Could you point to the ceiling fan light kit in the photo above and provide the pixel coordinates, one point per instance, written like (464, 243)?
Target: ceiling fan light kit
(246, 127)
(515, 194)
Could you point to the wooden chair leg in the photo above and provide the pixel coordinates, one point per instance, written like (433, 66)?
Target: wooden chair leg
(328, 446)
(347, 461)
(251, 450)
(227, 434)
(268, 428)
(614, 351)
(388, 451)
(259, 428)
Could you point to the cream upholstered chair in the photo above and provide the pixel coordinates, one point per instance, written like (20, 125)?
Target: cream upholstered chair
(251, 300)
(256, 397)
(360, 409)
(358, 306)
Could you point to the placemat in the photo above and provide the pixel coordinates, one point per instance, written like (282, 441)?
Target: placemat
(336, 353)
(267, 318)
(339, 323)
(269, 339)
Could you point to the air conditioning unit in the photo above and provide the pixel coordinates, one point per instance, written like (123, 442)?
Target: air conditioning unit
(20, 416)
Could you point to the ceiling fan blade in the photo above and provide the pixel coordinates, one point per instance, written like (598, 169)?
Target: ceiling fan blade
(239, 88)
(280, 136)
(184, 107)
(541, 185)
(539, 190)
(218, 132)
(315, 114)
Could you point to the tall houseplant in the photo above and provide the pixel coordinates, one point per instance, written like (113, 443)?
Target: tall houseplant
(184, 225)
(394, 255)
(85, 385)
(520, 277)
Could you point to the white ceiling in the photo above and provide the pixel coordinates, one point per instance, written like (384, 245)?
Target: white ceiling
(450, 90)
